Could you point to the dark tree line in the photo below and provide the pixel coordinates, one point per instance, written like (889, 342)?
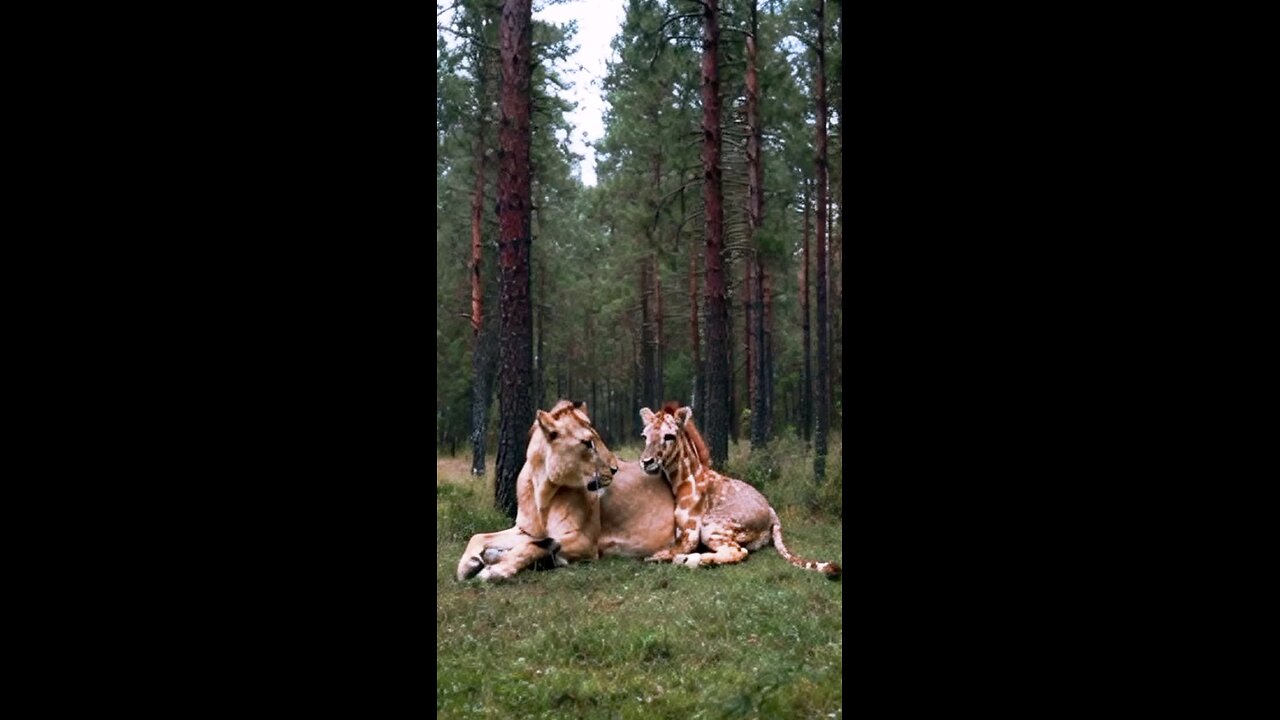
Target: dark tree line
(712, 214)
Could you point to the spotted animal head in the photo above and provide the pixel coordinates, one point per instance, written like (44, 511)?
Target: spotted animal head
(661, 432)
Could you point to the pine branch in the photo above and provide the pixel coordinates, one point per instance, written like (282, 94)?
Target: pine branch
(468, 36)
(672, 19)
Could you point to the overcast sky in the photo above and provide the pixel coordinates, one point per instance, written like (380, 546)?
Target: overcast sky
(598, 22)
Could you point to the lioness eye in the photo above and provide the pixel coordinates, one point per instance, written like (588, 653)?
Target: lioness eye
(668, 438)
(587, 443)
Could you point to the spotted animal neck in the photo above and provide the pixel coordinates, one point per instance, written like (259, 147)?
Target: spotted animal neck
(685, 467)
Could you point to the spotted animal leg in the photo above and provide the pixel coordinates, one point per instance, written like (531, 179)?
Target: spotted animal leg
(727, 552)
(686, 542)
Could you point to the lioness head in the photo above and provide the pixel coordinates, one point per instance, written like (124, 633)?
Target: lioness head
(659, 434)
(577, 456)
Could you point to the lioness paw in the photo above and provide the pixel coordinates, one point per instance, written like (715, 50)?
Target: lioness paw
(692, 560)
(472, 566)
(494, 573)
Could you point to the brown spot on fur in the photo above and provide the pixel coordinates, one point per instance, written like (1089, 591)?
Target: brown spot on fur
(704, 455)
(684, 495)
(719, 494)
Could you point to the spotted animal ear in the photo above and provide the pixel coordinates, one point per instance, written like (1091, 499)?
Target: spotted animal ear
(646, 415)
(547, 423)
(683, 415)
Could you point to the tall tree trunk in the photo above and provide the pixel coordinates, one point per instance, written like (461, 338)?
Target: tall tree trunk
(541, 313)
(483, 334)
(806, 395)
(597, 419)
(655, 288)
(718, 405)
(515, 399)
(822, 406)
(748, 327)
(636, 382)
(657, 334)
(484, 362)
(760, 411)
(646, 334)
(695, 341)
(767, 353)
(836, 326)
(481, 383)
(731, 372)
(755, 220)
(611, 434)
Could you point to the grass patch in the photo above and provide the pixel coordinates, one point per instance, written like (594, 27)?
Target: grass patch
(624, 639)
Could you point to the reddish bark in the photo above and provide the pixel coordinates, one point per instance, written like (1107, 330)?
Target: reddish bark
(718, 403)
(748, 327)
(484, 335)
(514, 217)
(759, 382)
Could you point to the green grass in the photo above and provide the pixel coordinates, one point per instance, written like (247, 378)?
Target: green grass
(625, 639)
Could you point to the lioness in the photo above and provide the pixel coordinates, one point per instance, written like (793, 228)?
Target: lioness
(632, 518)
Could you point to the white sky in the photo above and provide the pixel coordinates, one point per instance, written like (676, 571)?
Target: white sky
(598, 22)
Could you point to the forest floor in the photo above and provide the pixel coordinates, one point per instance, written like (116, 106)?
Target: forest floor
(620, 638)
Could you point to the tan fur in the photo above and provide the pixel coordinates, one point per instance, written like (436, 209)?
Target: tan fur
(559, 458)
(727, 515)
(632, 518)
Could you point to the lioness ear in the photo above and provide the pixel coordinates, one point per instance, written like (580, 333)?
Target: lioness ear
(646, 415)
(683, 415)
(547, 423)
(581, 405)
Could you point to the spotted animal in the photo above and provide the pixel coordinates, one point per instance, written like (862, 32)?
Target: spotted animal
(728, 516)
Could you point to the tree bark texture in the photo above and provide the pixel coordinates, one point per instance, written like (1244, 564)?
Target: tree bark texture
(748, 327)
(760, 410)
(806, 396)
(718, 407)
(822, 405)
(515, 399)
(480, 381)
(755, 220)
(695, 341)
(483, 334)
(647, 389)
